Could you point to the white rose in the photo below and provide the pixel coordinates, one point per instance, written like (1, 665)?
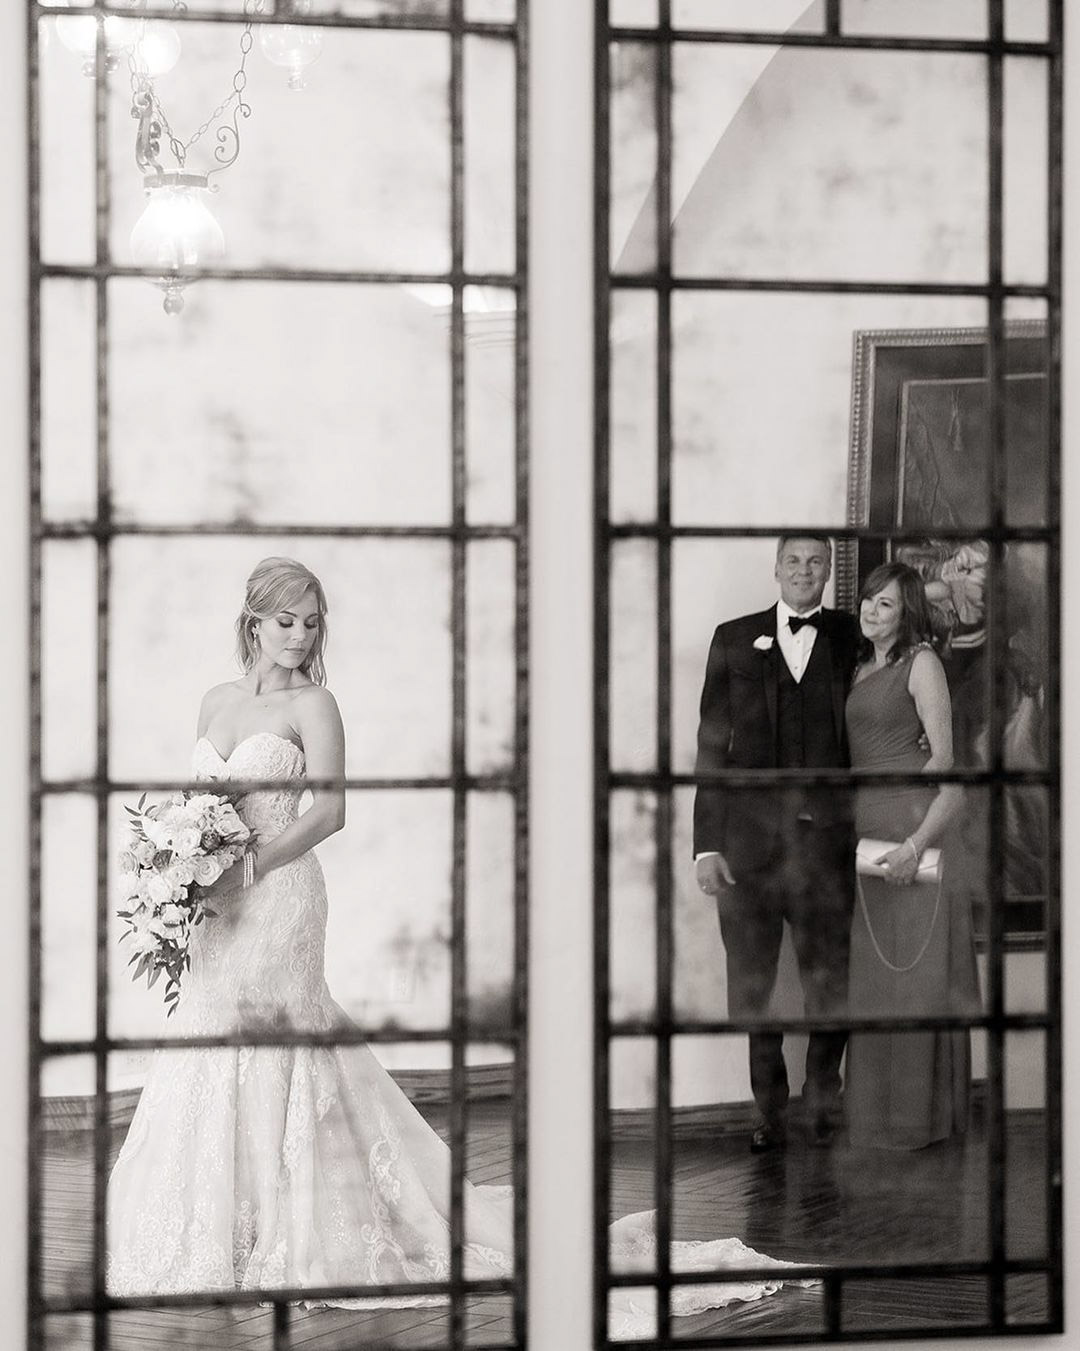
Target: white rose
(186, 840)
(206, 869)
(144, 853)
(180, 872)
(764, 642)
(128, 862)
(172, 915)
(156, 927)
(160, 889)
(159, 834)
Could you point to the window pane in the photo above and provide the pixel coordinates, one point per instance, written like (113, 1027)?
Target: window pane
(489, 155)
(793, 183)
(68, 401)
(490, 408)
(915, 18)
(65, 1158)
(68, 658)
(66, 108)
(1026, 20)
(1027, 1146)
(490, 676)
(633, 406)
(632, 206)
(388, 653)
(633, 655)
(632, 934)
(746, 15)
(762, 400)
(490, 11)
(489, 920)
(68, 916)
(375, 196)
(633, 13)
(1025, 130)
(327, 440)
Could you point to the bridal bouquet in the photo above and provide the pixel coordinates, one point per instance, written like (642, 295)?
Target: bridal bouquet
(177, 846)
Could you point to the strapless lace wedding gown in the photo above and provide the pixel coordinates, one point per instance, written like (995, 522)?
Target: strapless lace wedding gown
(263, 1167)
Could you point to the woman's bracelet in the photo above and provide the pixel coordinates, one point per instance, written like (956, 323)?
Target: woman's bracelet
(914, 850)
(249, 868)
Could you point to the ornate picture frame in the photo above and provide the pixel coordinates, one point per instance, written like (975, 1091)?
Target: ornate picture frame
(918, 456)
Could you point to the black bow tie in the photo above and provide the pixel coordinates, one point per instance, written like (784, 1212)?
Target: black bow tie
(796, 622)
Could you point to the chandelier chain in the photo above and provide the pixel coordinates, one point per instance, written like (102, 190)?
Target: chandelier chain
(145, 97)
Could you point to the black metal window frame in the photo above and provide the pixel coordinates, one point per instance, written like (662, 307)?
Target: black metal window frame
(102, 529)
(996, 779)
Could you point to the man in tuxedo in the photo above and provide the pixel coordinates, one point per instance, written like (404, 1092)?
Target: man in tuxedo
(773, 697)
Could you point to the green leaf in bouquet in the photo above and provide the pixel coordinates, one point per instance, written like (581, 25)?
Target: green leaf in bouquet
(207, 911)
(154, 978)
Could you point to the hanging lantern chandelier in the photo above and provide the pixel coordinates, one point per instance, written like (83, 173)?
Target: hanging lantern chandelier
(177, 235)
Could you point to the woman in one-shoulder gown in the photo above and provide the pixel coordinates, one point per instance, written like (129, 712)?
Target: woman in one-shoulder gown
(291, 1166)
(912, 943)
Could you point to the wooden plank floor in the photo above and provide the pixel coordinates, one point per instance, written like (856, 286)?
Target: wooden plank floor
(803, 1204)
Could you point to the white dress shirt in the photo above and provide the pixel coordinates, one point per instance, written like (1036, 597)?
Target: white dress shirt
(796, 647)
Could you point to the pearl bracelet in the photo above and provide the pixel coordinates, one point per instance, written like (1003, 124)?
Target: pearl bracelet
(249, 868)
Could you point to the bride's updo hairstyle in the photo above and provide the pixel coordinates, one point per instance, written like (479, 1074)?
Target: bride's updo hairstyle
(275, 585)
(916, 623)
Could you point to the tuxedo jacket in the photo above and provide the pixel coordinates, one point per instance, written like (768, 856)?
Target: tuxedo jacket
(739, 730)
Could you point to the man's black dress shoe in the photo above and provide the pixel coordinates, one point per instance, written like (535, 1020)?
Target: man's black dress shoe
(766, 1137)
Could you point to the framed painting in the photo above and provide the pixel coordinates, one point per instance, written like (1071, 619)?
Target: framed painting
(920, 460)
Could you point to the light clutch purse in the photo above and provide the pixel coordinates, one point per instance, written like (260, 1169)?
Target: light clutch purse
(867, 851)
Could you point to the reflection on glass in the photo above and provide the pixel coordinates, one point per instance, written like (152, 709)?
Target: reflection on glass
(762, 400)
(388, 652)
(824, 143)
(490, 417)
(632, 206)
(489, 155)
(633, 655)
(374, 197)
(68, 658)
(633, 13)
(915, 18)
(490, 676)
(66, 1162)
(747, 15)
(489, 917)
(68, 1331)
(1024, 128)
(1026, 20)
(633, 406)
(68, 401)
(632, 933)
(66, 110)
(68, 916)
(490, 11)
(326, 440)
(1026, 1147)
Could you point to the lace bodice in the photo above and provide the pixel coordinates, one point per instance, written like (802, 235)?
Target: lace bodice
(263, 755)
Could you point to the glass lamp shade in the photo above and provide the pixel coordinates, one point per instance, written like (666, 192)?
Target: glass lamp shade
(292, 47)
(156, 46)
(78, 33)
(176, 235)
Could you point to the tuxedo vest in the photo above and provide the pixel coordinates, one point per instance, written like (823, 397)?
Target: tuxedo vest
(805, 726)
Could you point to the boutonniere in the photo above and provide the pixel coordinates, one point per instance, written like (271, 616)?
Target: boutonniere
(764, 642)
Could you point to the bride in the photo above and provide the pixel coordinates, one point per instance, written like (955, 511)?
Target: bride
(292, 1166)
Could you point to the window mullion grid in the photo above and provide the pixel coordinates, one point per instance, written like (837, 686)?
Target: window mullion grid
(602, 674)
(832, 17)
(663, 1170)
(520, 1105)
(996, 622)
(35, 1154)
(1052, 917)
(458, 631)
(102, 219)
